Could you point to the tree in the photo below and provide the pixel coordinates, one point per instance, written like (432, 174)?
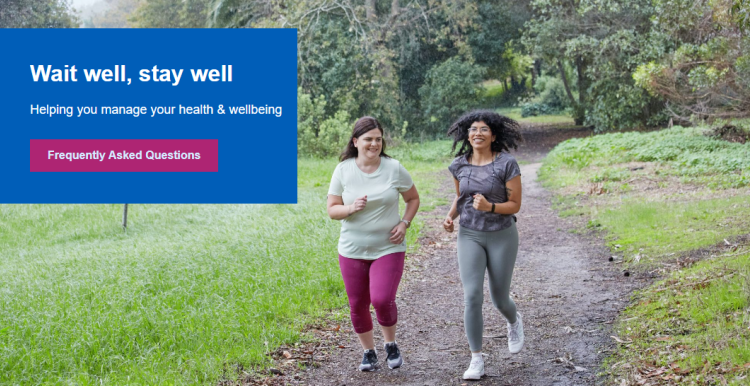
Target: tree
(451, 88)
(171, 14)
(604, 41)
(704, 71)
(494, 39)
(112, 13)
(372, 56)
(37, 14)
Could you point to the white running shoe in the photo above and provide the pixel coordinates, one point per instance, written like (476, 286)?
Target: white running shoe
(515, 335)
(476, 369)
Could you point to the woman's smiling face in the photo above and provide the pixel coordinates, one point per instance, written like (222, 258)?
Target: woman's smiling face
(480, 136)
(369, 144)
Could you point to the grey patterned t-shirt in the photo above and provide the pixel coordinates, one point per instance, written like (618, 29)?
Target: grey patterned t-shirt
(488, 180)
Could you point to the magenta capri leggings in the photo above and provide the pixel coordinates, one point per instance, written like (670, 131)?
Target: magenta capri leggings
(372, 282)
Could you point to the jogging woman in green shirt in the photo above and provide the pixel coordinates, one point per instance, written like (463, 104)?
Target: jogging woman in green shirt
(364, 195)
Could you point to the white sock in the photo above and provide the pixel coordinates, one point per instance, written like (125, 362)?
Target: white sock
(477, 356)
(387, 343)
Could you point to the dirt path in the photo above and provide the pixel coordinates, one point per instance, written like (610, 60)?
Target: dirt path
(564, 286)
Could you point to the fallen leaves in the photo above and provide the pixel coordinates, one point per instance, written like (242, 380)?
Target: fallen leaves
(289, 362)
(643, 373)
(677, 370)
(567, 361)
(618, 340)
(597, 189)
(653, 372)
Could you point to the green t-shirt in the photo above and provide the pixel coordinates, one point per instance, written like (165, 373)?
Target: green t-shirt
(365, 234)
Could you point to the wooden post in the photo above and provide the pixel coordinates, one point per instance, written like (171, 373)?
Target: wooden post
(125, 216)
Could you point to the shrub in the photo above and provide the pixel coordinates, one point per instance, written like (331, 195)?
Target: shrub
(532, 109)
(317, 135)
(450, 89)
(551, 98)
(552, 93)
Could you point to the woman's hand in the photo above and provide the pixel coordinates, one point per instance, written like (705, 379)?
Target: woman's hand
(358, 204)
(398, 233)
(448, 224)
(481, 203)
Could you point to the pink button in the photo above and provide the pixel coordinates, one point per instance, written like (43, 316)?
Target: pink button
(124, 155)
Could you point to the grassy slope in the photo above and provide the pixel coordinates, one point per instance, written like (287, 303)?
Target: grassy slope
(691, 328)
(515, 113)
(667, 193)
(185, 292)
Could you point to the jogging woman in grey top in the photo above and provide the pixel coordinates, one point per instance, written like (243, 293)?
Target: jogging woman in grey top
(488, 194)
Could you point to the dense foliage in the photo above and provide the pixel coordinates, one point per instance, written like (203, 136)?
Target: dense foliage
(318, 136)
(37, 14)
(613, 64)
(605, 42)
(706, 73)
(450, 89)
(171, 14)
(109, 13)
(382, 57)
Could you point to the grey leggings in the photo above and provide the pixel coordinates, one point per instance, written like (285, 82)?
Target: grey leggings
(494, 252)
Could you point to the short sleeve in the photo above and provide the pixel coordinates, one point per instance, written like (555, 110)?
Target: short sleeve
(512, 170)
(453, 168)
(337, 187)
(404, 182)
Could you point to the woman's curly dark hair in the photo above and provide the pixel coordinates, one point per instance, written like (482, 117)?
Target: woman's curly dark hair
(506, 131)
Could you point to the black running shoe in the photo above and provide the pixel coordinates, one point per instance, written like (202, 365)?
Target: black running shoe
(369, 361)
(394, 355)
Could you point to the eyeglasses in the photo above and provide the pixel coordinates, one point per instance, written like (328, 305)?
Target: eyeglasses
(483, 130)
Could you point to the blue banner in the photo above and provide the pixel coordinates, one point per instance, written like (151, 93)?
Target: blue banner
(148, 116)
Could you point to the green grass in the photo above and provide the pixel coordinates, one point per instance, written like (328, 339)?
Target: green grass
(515, 113)
(653, 230)
(693, 326)
(645, 223)
(493, 89)
(188, 294)
(686, 153)
(188, 289)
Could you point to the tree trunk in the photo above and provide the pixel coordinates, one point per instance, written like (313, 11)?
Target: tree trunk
(580, 111)
(370, 10)
(565, 82)
(513, 83)
(535, 72)
(581, 79)
(125, 216)
(522, 84)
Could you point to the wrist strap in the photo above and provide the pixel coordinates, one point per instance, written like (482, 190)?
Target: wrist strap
(493, 207)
